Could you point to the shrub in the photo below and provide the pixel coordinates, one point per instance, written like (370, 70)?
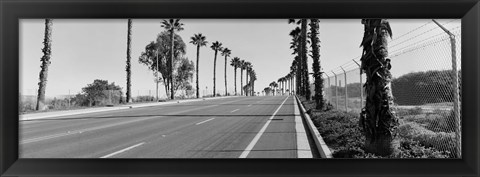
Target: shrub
(341, 132)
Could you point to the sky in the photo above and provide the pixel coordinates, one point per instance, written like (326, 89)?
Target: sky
(87, 49)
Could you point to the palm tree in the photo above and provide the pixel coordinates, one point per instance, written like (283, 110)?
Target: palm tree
(272, 85)
(235, 62)
(47, 46)
(172, 25)
(314, 32)
(199, 40)
(248, 66)
(295, 46)
(128, 67)
(226, 52)
(216, 46)
(253, 79)
(303, 43)
(377, 119)
(241, 65)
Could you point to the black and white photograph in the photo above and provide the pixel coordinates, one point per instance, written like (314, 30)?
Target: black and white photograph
(240, 88)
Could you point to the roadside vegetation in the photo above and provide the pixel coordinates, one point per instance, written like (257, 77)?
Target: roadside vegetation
(418, 137)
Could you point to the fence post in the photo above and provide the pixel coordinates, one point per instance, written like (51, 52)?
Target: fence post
(456, 94)
(329, 91)
(336, 91)
(346, 92)
(361, 87)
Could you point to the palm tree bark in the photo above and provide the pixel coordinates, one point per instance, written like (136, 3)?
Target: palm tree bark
(128, 67)
(47, 46)
(198, 58)
(378, 120)
(246, 80)
(225, 74)
(172, 34)
(235, 79)
(306, 83)
(314, 32)
(241, 81)
(214, 72)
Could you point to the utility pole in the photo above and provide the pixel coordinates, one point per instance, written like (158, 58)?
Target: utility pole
(456, 90)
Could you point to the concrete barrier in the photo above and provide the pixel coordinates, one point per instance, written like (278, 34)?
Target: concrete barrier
(317, 138)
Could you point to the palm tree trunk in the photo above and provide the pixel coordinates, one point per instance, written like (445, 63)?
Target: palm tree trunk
(235, 78)
(314, 32)
(306, 82)
(214, 72)
(377, 119)
(246, 85)
(128, 67)
(198, 58)
(241, 81)
(225, 75)
(47, 46)
(172, 34)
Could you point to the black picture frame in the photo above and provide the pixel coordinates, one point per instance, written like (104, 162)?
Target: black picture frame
(12, 10)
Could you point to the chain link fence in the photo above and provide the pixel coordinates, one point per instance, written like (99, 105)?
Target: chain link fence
(422, 86)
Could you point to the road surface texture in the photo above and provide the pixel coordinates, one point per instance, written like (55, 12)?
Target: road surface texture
(235, 127)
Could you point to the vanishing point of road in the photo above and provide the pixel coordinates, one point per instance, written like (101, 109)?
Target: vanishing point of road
(233, 127)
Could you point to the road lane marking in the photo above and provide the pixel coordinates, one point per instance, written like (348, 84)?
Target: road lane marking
(112, 125)
(259, 134)
(234, 110)
(249, 105)
(123, 150)
(204, 121)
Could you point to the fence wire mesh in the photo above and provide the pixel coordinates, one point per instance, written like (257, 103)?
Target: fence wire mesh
(422, 86)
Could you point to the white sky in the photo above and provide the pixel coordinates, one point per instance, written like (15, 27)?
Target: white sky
(84, 50)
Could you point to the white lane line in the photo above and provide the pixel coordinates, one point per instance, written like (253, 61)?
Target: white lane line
(108, 126)
(123, 150)
(78, 131)
(204, 121)
(249, 105)
(259, 134)
(234, 110)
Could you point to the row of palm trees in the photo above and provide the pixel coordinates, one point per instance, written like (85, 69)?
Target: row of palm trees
(172, 26)
(200, 40)
(377, 119)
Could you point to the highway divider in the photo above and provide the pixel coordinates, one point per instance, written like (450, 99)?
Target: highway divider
(322, 148)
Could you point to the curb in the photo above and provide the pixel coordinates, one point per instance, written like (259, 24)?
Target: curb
(317, 138)
(44, 115)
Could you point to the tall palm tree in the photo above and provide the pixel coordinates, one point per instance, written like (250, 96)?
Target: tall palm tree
(280, 80)
(241, 65)
(248, 66)
(295, 46)
(315, 44)
(172, 25)
(198, 40)
(128, 67)
(377, 119)
(253, 79)
(303, 43)
(235, 62)
(226, 52)
(216, 46)
(272, 85)
(47, 51)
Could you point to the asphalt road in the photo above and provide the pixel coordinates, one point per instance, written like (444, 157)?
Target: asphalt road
(237, 127)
